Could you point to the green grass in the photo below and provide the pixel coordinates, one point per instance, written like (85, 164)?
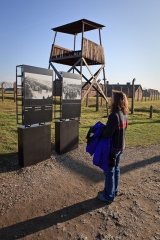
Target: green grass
(8, 127)
(142, 130)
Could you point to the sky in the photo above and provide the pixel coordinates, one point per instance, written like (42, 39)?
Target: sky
(131, 36)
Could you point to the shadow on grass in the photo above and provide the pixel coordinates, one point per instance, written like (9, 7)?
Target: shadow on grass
(146, 110)
(151, 122)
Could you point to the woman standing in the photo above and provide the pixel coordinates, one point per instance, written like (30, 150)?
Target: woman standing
(115, 129)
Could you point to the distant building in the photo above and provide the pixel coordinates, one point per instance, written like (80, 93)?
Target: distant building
(9, 90)
(126, 88)
(153, 94)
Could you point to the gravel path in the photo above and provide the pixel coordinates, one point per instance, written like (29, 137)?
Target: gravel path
(56, 199)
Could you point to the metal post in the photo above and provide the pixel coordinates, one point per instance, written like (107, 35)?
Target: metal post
(133, 93)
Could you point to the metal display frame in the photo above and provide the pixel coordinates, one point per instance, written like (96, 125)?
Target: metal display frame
(69, 108)
(35, 109)
(19, 94)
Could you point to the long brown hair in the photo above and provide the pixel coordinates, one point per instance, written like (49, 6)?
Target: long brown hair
(120, 102)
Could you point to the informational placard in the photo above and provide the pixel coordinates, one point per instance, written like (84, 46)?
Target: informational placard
(37, 95)
(71, 89)
(71, 95)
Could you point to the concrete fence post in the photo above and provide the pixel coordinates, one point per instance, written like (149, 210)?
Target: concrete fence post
(2, 91)
(14, 87)
(133, 93)
(151, 111)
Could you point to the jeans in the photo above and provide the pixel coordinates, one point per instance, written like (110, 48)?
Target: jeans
(112, 177)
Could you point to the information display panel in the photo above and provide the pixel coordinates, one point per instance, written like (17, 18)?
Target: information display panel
(71, 95)
(37, 95)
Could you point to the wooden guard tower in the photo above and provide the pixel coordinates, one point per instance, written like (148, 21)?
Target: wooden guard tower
(89, 54)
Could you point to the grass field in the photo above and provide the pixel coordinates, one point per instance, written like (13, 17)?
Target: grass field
(142, 129)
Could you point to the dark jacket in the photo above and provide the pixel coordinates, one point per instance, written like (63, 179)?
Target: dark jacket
(115, 128)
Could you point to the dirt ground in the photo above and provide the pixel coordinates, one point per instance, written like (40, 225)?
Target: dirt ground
(57, 199)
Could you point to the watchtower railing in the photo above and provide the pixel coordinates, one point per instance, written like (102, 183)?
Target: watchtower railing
(91, 51)
(58, 51)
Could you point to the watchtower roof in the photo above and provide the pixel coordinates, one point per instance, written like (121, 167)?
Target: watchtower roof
(76, 27)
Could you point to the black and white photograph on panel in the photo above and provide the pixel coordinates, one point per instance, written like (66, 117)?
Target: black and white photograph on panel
(37, 95)
(71, 88)
(37, 86)
(71, 95)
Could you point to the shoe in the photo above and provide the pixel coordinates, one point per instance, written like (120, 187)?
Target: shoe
(102, 198)
(101, 192)
(119, 194)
